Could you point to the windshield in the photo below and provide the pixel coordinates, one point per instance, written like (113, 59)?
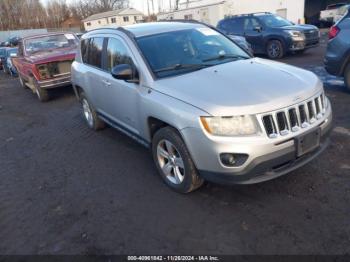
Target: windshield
(48, 43)
(274, 21)
(12, 51)
(184, 51)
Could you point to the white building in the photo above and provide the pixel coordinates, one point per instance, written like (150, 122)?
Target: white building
(212, 11)
(121, 17)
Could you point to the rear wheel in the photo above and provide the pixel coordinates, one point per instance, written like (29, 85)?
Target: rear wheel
(347, 77)
(90, 115)
(274, 49)
(174, 162)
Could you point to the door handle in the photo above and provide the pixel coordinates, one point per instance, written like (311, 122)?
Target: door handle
(106, 83)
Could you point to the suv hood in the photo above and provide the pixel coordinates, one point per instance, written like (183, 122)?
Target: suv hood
(302, 28)
(250, 86)
(53, 56)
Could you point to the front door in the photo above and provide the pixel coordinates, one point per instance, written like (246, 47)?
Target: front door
(253, 33)
(120, 97)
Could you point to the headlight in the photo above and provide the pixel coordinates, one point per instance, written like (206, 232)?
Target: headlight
(231, 126)
(296, 34)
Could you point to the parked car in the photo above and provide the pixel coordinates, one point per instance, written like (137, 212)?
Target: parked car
(8, 66)
(242, 42)
(44, 62)
(271, 34)
(337, 58)
(205, 107)
(341, 12)
(328, 16)
(2, 56)
(13, 41)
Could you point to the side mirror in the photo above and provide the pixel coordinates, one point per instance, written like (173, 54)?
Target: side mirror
(125, 72)
(258, 29)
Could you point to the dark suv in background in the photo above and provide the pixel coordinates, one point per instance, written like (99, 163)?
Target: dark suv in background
(337, 58)
(271, 34)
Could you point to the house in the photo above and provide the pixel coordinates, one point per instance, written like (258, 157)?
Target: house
(212, 11)
(121, 17)
(71, 22)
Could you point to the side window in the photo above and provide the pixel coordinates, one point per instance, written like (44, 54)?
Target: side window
(232, 26)
(117, 54)
(91, 51)
(250, 24)
(84, 50)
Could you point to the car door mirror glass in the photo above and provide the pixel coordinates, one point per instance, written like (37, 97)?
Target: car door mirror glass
(124, 72)
(258, 29)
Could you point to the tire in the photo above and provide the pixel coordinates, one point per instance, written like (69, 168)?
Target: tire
(174, 162)
(41, 93)
(21, 82)
(347, 77)
(90, 115)
(275, 49)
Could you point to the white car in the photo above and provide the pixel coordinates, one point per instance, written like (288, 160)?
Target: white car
(205, 107)
(341, 12)
(328, 15)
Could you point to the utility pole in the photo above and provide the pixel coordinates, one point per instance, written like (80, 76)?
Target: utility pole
(152, 1)
(149, 13)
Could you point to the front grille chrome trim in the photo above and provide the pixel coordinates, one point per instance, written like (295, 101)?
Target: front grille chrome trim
(293, 119)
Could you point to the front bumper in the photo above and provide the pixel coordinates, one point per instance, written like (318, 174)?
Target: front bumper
(303, 45)
(59, 81)
(268, 158)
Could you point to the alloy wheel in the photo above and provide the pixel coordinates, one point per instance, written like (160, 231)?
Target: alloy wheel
(274, 50)
(87, 112)
(170, 162)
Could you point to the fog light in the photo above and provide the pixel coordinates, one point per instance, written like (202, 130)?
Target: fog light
(228, 159)
(233, 160)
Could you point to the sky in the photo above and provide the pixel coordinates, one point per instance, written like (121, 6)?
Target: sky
(140, 5)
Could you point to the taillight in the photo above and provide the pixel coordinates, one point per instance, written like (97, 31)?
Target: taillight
(333, 32)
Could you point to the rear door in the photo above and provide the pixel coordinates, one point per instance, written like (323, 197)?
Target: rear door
(92, 50)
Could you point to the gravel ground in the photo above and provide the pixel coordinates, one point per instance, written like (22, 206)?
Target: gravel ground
(67, 190)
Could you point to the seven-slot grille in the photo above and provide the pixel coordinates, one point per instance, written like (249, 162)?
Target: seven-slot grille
(293, 119)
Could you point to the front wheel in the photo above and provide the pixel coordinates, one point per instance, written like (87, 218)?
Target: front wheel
(347, 77)
(174, 162)
(41, 93)
(274, 49)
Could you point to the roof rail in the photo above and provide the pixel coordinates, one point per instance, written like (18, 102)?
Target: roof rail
(249, 14)
(190, 21)
(119, 28)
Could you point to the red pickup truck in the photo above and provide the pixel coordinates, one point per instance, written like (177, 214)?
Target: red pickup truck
(44, 62)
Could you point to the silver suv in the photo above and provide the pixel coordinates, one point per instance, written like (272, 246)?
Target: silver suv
(205, 107)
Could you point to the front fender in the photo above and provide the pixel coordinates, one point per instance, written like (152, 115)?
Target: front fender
(172, 111)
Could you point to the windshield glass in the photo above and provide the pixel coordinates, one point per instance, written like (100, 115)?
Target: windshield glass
(47, 43)
(12, 51)
(274, 21)
(184, 51)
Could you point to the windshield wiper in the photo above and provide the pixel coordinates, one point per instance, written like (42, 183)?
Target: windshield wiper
(182, 66)
(225, 56)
